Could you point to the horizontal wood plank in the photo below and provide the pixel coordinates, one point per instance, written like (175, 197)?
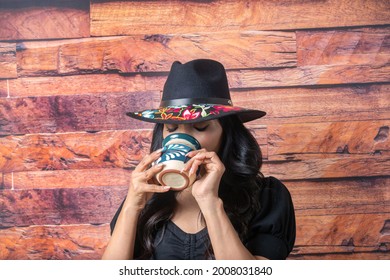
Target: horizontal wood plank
(68, 113)
(80, 84)
(73, 178)
(354, 137)
(342, 166)
(317, 104)
(31, 19)
(155, 53)
(309, 75)
(268, 80)
(73, 113)
(360, 195)
(344, 46)
(8, 63)
(165, 17)
(342, 230)
(339, 253)
(75, 242)
(105, 149)
(341, 234)
(95, 205)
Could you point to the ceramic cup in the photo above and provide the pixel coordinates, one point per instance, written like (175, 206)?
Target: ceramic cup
(175, 148)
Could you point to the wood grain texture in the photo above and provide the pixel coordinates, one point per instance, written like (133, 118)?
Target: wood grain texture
(155, 53)
(329, 150)
(8, 60)
(238, 81)
(349, 236)
(157, 17)
(79, 84)
(320, 69)
(4, 88)
(354, 137)
(317, 104)
(356, 195)
(341, 219)
(342, 166)
(89, 241)
(30, 19)
(65, 206)
(344, 46)
(339, 253)
(343, 196)
(73, 113)
(72, 178)
(105, 149)
(353, 232)
(80, 242)
(107, 111)
(309, 75)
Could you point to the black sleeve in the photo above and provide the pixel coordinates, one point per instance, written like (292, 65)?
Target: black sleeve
(272, 230)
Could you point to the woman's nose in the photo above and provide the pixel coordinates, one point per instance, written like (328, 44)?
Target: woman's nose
(185, 128)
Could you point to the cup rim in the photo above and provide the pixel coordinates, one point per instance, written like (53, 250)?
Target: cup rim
(170, 171)
(184, 136)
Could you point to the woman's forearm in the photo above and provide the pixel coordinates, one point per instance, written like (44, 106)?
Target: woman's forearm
(224, 239)
(121, 244)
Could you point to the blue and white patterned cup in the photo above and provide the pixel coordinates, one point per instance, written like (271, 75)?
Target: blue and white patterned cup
(175, 148)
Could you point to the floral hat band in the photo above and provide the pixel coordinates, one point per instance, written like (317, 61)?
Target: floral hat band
(195, 91)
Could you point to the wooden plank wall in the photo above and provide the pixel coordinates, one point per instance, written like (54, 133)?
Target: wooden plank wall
(70, 69)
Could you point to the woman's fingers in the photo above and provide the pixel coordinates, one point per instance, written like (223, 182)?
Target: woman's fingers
(194, 153)
(142, 184)
(144, 188)
(198, 158)
(147, 161)
(151, 188)
(201, 159)
(138, 195)
(151, 172)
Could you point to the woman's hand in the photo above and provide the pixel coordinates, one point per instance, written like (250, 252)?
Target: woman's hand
(205, 189)
(142, 186)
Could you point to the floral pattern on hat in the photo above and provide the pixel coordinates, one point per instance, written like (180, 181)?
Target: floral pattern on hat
(186, 112)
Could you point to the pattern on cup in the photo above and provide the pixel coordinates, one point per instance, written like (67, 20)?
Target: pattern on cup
(175, 148)
(174, 152)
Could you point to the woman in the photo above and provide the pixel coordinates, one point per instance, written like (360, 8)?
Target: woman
(231, 211)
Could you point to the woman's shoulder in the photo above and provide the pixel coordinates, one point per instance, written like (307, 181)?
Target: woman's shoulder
(274, 195)
(272, 229)
(274, 184)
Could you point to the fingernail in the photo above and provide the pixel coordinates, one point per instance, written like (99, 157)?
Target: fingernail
(166, 187)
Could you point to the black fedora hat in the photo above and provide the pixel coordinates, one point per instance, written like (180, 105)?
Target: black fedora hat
(195, 91)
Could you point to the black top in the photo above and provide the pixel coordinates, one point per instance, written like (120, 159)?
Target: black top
(271, 233)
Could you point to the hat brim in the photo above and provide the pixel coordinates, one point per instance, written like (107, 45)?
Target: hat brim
(195, 113)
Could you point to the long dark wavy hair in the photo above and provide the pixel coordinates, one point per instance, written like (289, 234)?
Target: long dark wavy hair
(239, 188)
